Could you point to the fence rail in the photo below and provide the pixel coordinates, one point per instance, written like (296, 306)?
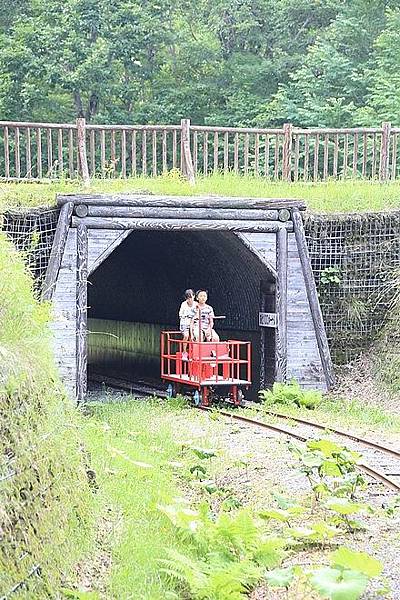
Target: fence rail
(35, 151)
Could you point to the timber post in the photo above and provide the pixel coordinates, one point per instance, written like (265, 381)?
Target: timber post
(82, 153)
(57, 250)
(281, 304)
(313, 301)
(81, 311)
(187, 163)
(287, 151)
(385, 149)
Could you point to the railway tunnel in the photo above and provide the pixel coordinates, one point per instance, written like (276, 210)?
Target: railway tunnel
(136, 292)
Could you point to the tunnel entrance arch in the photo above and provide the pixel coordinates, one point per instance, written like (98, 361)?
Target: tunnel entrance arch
(262, 240)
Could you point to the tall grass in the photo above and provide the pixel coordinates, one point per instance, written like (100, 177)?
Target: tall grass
(331, 196)
(132, 447)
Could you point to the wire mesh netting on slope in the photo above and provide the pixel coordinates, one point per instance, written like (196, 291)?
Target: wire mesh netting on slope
(32, 233)
(356, 265)
(355, 260)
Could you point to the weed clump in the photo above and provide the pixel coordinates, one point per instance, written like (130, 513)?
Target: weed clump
(290, 394)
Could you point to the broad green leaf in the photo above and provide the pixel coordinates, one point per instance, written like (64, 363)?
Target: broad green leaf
(311, 459)
(275, 513)
(182, 517)
(316, 532)
(198, 469)
(203, 453)
(280, 577)
(330, 468)
(283, 502)
(344, 506)
(357, 561)
(270, 552)
(325, 446)
(300, 532)
(339, 585)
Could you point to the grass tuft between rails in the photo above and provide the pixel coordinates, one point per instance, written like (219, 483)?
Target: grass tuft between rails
(134, 455)
(354, 195)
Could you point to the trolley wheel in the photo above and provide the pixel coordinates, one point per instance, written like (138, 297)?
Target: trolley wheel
(240, 397)
(237, 396)
(205, 398)
(196, 398)
(170, 391)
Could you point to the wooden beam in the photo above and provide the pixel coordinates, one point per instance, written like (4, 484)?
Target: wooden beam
(57, 250)
(180, 224)
(281, 305)
(154, 212)
(179, 201)
(81, 311)
(313, 301)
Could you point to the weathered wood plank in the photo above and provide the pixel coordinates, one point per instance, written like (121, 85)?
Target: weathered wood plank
(133, 154)
(49, 153)
(313, 299)
(123, 154)
(6, 153)
(179, 224)
(17, 154)
(60, 159)
(187, 213)
(39, 152)
(57, 250)
(81, 316)
(186, 155)
(106, 247)
(281, 305)
(179, 201)
(236, 154)
(28, 154)
(262, 246)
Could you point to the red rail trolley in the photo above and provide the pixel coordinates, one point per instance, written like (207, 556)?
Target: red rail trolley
(208, 367)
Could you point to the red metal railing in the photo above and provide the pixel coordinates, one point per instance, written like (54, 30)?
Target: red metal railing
(207, 363)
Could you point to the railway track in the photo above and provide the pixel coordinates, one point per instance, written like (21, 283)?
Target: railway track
(381, 463)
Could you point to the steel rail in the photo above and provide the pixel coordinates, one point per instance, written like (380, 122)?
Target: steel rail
(350, 436)
(375, 474)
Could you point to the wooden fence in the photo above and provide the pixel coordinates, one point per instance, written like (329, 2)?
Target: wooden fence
(56, 150)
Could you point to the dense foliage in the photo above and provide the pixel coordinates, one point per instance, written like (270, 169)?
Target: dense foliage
(236, 62)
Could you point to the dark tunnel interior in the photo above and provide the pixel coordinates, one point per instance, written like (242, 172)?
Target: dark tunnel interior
(136, 292)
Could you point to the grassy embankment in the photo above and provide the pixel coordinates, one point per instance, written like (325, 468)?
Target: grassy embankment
(46, 506)
(332, 196)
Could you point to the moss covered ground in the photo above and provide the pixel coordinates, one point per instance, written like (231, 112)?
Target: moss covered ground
(331, 196)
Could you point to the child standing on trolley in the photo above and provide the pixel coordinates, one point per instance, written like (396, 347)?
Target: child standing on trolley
(186, 313)
(205, 316)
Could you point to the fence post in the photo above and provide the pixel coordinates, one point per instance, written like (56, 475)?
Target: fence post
(287, 151)
(384, 157)
(82, 154)
(187, 163)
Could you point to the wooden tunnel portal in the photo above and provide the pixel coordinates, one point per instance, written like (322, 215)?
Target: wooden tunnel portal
(121, 263)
